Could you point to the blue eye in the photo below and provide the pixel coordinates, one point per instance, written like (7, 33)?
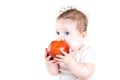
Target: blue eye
(57, 32)
(67, 33)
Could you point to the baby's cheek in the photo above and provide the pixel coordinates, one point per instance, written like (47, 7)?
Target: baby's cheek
(74, 45)
(70, 44)
(70, 41)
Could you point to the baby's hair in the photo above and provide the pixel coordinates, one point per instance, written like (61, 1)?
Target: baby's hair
(74, 15)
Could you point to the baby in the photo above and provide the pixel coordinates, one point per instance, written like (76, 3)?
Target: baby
(79, 63)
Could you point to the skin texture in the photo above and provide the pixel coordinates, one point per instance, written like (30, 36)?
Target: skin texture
(66, 30)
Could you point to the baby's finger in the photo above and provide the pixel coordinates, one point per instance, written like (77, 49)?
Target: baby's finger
(60, 56)
(49, 58)
(63, 52)
(70, 50)
(58, 60)
(46, 53)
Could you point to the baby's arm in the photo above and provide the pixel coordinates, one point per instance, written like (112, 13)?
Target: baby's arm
(52, 67)
(81, 70)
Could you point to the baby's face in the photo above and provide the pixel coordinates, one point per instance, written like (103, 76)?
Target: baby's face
(66, 30)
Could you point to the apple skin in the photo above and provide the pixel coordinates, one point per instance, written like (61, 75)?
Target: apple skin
(55, 46)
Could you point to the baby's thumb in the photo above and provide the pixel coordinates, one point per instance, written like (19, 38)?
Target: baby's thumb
(70, 50)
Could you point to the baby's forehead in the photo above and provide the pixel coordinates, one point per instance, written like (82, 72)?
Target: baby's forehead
(66, 20)
(65, 23)
(61, 28)
(64, 29)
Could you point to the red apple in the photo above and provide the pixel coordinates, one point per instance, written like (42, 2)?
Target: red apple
(55, 46)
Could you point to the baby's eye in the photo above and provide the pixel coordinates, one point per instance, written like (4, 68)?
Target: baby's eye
(67, 33)
(57, 32)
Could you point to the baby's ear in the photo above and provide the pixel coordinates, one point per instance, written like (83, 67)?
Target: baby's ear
(84, 34)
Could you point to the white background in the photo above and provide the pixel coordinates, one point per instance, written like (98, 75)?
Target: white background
(27, 27)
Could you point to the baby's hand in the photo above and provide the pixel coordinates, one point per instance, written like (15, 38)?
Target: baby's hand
(47, 55)
(66, 58)
(49, 59)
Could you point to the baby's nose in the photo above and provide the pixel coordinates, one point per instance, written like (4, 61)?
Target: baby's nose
(61, 37)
